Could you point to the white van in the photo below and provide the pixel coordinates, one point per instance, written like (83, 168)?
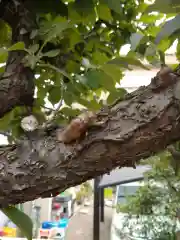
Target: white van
(135, 229)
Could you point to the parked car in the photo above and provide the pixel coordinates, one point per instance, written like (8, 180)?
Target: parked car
(125, 228)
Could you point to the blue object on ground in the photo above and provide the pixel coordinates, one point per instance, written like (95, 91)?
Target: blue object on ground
(62, 223)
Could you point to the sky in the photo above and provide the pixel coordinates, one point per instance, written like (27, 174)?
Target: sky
(126, 48)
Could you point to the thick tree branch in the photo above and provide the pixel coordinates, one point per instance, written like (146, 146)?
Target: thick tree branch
(136, 128)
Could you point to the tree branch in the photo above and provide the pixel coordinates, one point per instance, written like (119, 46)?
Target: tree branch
(135, 128)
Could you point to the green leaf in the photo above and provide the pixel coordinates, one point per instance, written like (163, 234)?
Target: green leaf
(5, 121)
(17, 46)
(41, 6)
(69, 98)
(70, 112)
(20, 219)
(34, 33)
(72, 87)
(5, 33)
(148, 19)
(162, 57)
(104, 12)
(168, 29)
(41, 93)
(86, 63)
(3, 55)
(86, 9)
(57, 70)
(99, 58)
(164, 44)
(118, 94)
(31, 60)
(97, 78)
(52, 53)
(106, 81)
(72, 66)
(73, 13)
(113, 71)
(87, 81)
(33, 49)
(103, 48)
(151, 50)
(54, 94)
(52, 29)
(115, 5)
(178, 50)
(135, 40)
(152, 31)
(74, 38)
(163, 6)
(90, 104)
(2, 69)
(127, 61)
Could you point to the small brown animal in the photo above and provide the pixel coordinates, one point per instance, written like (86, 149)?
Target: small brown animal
(78, 127)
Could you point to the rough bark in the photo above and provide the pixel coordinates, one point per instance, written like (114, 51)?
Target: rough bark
(136, 128)
(17, 83)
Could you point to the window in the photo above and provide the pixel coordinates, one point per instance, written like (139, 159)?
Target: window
(125, 190)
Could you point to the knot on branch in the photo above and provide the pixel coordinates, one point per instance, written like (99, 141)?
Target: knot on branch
(163, 79)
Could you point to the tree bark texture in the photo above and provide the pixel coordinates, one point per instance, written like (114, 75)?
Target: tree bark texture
(17, 83)
(136, 128)
(141, 125)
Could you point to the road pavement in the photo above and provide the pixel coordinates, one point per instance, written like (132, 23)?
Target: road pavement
(81, 225)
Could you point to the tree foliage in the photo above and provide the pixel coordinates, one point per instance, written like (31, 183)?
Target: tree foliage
(157, 200)
(72, 47)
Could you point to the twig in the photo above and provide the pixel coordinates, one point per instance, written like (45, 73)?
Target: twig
(62, 91)
(50, 109)
(55, 69)
(59, 104)
(57, 109)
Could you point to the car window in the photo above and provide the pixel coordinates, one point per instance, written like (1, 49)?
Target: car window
(127, 190)
(124, 191)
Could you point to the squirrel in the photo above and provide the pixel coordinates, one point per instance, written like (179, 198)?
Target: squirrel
(165, 77)
(78, 127)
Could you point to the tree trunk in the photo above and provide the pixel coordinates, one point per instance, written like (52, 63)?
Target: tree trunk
(17, 83)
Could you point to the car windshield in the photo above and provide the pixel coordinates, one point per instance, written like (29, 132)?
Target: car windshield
(124, 191)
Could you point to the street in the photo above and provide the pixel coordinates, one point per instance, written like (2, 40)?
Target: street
(81, 225)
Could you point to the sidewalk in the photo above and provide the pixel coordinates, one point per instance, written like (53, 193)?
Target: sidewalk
(81, 224)
(78, 208)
